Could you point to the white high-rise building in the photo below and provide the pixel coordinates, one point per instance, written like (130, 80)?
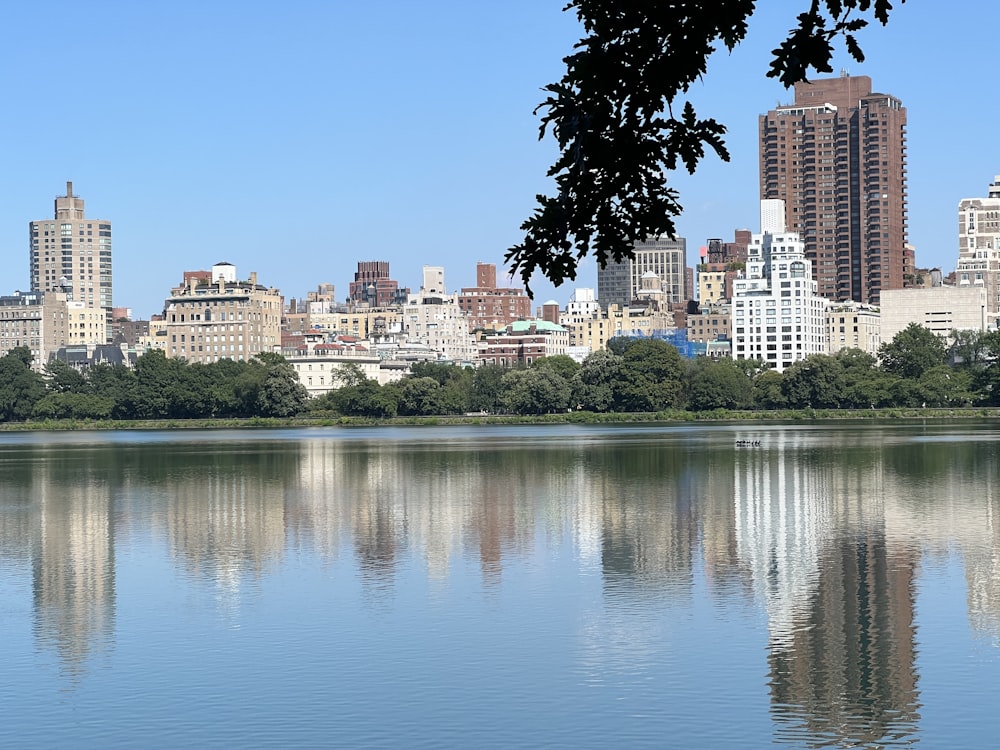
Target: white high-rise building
(979, 247)
(777, 316)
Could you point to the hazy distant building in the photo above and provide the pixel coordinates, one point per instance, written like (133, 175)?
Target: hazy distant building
(224, 318)
(718, 266)
(710, 323)
(620, 283)
(71, 253)
(373, 286)
(979, 246)
(837, 157)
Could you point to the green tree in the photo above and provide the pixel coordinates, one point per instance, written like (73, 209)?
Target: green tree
(420, 396)
(651, 376)
(349, 374)
(64, 405)
(272, 387)
(486, 388)
(561, 364)
(718, 384)
(618, 344)
(442, 372)
(20, 386)
(968, 350)
(162, 388)
(622, 124)
(863, 385)
(816, 381)
(62, 377)
(365, 399)
(987, 378)
(768, 390)
(596, 383)
(534, 391)
(943, 387)
(912, 352)
(117, 383)
(218, 384)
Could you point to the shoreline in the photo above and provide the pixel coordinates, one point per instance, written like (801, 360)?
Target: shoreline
(672, 416)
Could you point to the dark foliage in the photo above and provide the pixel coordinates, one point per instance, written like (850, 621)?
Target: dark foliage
(622, 123)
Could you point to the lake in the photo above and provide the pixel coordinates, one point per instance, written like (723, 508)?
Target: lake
(560, 586)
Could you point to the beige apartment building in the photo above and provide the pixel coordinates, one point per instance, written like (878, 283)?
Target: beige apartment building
(72, 253)
(86, 326)
(714, 284)
(222, 319)
(364, 323)
(595, 333)
(710, 324)
(46, 321)
(853, 325)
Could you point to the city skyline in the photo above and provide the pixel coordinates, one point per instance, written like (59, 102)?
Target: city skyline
(300, 144)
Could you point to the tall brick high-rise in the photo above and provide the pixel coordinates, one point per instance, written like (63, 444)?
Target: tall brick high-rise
(837, 157)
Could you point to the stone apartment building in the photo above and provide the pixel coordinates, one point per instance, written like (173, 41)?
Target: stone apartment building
(852, 325)
(45, 322)
(711, 323)
(224, 318)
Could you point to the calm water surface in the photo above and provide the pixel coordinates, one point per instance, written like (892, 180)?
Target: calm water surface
(498, 587)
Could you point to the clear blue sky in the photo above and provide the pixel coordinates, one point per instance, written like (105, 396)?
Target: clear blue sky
(295, 139)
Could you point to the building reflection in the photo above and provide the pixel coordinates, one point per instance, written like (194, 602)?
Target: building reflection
(648, 518)
(948, 501)
(225, 527)
(828, 540)
(839, 598)
(72, 557)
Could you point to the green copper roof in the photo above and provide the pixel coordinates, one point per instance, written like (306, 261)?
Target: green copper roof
(520, 326)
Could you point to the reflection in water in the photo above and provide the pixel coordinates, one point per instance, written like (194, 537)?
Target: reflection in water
(57, 516)
(74, 574)
(840, 602)
(824, 532)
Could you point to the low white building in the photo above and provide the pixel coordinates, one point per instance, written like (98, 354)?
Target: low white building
(940, 309)
(777, 316)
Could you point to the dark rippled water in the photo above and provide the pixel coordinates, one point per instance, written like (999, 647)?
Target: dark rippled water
(577, 587)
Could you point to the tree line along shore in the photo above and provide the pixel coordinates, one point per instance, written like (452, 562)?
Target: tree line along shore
(915, 374)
